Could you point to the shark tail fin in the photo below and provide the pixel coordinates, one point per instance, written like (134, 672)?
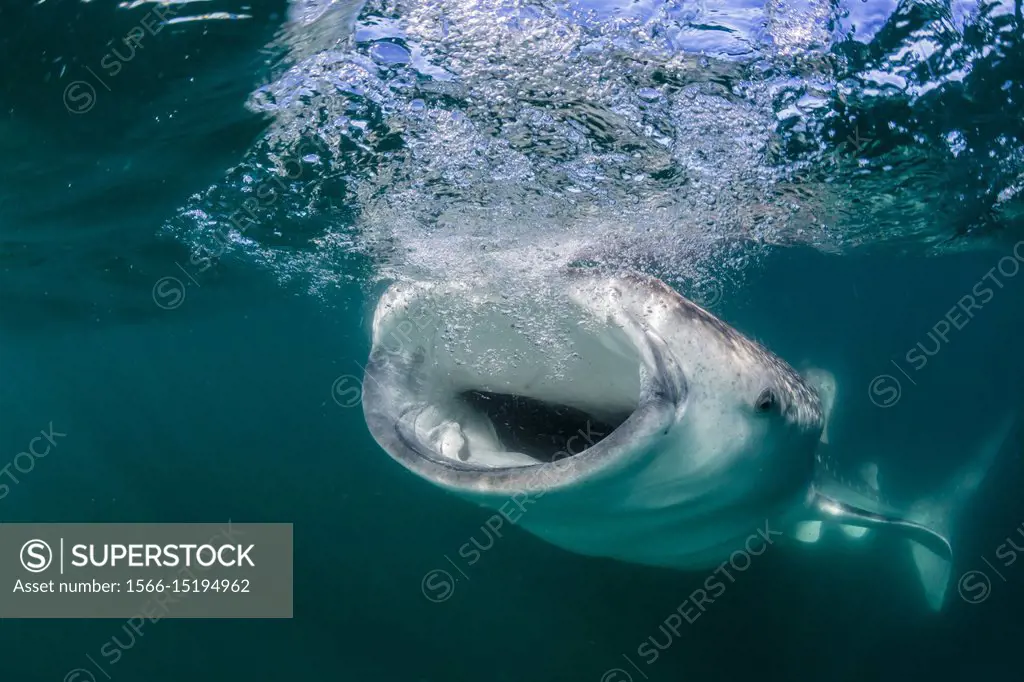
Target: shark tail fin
(941, 513)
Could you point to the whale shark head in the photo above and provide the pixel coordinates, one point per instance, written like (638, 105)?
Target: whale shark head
(604, 413)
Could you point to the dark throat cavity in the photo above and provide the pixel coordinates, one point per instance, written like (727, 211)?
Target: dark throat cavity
(544, 431)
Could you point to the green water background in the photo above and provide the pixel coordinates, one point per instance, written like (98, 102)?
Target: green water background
(223, 409)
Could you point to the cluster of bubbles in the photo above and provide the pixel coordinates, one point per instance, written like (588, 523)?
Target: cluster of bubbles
(499, 141)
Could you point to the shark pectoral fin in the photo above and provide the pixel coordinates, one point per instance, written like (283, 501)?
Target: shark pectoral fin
(932, 552)
(829, 509)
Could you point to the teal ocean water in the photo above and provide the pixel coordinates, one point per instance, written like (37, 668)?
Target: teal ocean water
(192, 246)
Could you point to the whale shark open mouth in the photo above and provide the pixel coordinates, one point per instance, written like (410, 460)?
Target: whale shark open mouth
(531, 430)
(458, 389)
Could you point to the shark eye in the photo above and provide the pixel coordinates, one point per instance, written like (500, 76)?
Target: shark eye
(766, 402)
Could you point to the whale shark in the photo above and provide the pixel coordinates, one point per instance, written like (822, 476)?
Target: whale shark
(621, 419)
